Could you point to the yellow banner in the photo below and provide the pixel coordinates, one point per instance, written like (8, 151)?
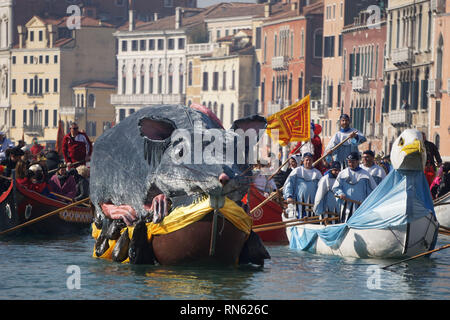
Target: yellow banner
(292, 123)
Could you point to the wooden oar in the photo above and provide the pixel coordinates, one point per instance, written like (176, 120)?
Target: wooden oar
(294, 224)
(314, 164)
(45, 216)
(283, 222)
(349, 200)
(441, 204)
(418, 256)
(54, 170)
(66, 198)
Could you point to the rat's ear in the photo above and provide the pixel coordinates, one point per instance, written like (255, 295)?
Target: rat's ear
(156, 129)
(254, 122)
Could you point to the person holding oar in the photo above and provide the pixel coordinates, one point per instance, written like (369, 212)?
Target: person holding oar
(300, 187)
(351, 145)
(352, 184)
(325, 202)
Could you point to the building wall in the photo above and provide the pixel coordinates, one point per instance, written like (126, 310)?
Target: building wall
(409, 62)
(439, 127)
(362, 92)
(229, 102)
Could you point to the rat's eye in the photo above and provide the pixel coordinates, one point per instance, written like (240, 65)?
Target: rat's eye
(401, 142)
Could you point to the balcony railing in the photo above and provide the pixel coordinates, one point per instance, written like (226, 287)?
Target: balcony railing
(402, 56)
(400, 118)
(280, 62)
(71, 111)
(201, 48)
(143, 99)
(360, 84)
(33, 130)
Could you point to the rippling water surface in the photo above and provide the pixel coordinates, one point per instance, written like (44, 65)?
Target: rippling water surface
(37, 269)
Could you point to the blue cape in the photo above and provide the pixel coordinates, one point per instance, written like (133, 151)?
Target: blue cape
(402, 197)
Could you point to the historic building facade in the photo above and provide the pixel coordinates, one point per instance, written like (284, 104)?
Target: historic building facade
(47, 62)
(409, 63)
(439, 90)
(362, 89)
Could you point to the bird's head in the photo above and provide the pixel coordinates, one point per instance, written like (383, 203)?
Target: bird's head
(408, 151)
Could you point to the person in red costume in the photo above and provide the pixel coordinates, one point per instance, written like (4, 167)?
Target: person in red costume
(76, 147)
(36, 148)
(316, 142)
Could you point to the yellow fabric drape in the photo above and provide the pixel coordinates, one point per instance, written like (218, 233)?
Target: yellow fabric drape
(184, 216)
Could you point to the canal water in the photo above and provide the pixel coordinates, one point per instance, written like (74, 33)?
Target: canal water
(42, 268)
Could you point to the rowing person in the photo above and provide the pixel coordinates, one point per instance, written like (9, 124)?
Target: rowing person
(325, 201)
(368, 164)
(301, 186)
(352, 186)
(349, 146)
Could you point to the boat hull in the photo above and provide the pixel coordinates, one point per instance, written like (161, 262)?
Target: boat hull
(269, 213)
(443, 211)
(173, 249)
(26, 205)
(395, 242)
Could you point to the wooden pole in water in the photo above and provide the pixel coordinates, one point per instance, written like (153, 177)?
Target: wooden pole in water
(418, 256)
(45, 216)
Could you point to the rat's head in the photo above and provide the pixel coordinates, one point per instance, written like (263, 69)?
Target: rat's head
(180, 152)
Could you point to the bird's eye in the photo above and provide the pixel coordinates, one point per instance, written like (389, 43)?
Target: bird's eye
(401, 142)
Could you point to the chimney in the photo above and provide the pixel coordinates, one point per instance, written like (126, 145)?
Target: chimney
(52, 34)
(178, 17)
(131, 22)
(267, 9)
(20, 32)
(156, 16)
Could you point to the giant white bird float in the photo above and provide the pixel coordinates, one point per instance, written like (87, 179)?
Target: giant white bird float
(396, 220)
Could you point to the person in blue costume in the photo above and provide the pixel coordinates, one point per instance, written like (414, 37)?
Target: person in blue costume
(368, 164)
(350, 146)
(301, 186)
(325, 201)
(352, 183)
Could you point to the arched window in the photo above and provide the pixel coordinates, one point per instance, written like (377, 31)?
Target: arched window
(91, 100)
(190, 74)
(181, 79)
(133, 87)
(124, 79)
(150, 74)
(142, 79)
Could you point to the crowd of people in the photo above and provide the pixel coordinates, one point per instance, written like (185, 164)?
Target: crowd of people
(63, 177)
(343, 178)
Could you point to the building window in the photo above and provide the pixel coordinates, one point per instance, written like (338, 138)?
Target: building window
(171, 44)
(55, 59)
(32, 36)
(25, 59)
(224, 81)
(134, 45)
(190, 74)
(14, 60)
(205, 81)
(151, 44)
(181, 43)
(13, 86)
(232, 113)
(24, 117)
(437, 115)
(318, 44)
(160, 44)
(41, 36)
(181, 79)
(55, 119)
(124, 46)
(143, 45)
(31, 59)
(160, 78)
(46, 118)
(328, 47)
(25, 85)
(55, 85)
(13, 118)
(215, 86)
(170, 80)
(258, 75)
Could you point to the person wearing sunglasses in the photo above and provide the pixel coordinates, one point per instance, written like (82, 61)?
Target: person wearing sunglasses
(76, 147)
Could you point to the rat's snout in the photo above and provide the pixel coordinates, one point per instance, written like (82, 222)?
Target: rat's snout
(223, 179)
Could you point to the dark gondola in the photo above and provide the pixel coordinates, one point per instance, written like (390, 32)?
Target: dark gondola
(19, 205)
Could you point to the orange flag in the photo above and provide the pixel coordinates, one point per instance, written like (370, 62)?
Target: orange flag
(59, 138)
(292, 123)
